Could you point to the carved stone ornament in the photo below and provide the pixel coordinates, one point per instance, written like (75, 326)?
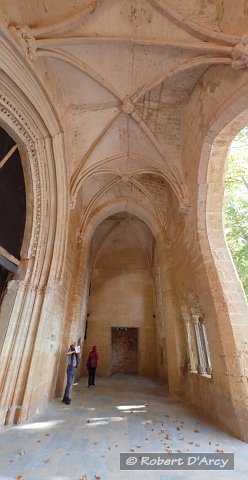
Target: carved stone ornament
(26, 40)
(240, 54)
(14, 118)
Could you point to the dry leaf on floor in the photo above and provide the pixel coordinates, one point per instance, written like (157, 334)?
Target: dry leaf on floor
(138, 446)
(196, 431)
(168, 437)
(84, 477)
(191, 443)
(22, 452)
(178, 428)
(167, 416)
(97, 477)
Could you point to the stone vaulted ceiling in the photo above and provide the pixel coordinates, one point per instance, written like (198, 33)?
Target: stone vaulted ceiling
(121, 73)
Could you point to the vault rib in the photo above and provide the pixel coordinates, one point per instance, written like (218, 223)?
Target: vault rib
(150, 198)
(151, 42)
(76, 178)
(80, 65)
(192, 27)
(173, 175)
(192, 63)
(69, 23)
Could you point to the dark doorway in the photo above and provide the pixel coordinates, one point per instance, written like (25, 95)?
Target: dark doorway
(124, 357)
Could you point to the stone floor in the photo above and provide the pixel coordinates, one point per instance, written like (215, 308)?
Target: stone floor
(121, 414)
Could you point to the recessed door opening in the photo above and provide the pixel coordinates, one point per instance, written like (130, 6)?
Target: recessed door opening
(124, 350)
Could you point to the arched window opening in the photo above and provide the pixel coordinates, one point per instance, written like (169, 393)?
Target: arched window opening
(236, 205)
(12, 208)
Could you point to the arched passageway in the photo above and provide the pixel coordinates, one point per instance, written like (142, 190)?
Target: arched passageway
(123, 112)
(121, 317)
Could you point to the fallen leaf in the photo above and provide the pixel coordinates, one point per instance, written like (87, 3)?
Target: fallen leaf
(167, 416)
(178, 428)
(191, 443)
(97, 477)
(22, 452)
(168, 437)
(196, 431)
(138, 446)
(84, 477)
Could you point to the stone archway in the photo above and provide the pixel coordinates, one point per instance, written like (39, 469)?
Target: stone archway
(27, 115)
(229, 298)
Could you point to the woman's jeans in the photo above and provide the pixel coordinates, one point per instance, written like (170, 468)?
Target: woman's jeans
(70, 375)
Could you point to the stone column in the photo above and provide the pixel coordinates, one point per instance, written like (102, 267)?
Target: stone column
(189, 340)
(204, 333)
(171, 316)
(200, 351)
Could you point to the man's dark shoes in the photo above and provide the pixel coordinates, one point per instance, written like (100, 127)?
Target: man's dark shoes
(66, 400)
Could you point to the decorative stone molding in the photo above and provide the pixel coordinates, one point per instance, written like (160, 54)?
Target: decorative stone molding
(24, 131)
(25, 39)
(240, 54)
